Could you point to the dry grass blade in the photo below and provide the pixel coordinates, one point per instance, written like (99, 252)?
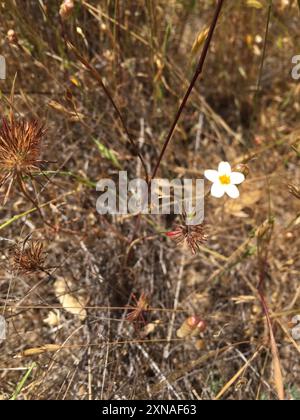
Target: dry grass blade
(179, 373)
(97, 76)
(237, 375)
(264, 236)
(278, 378)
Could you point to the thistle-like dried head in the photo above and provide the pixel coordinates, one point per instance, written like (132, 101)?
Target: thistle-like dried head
(29, 258)
(20, 147)
(192, 236)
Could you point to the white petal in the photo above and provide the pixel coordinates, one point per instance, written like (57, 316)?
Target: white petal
(224, 168)
(237, 178)
(217, 190)
(232, 191)
(211, 175)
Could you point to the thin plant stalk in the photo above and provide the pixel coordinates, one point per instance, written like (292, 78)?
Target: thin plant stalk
(198, 72)
(97, 76)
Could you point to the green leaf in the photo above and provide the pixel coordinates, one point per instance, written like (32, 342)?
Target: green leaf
(22, 382)
(107, 153)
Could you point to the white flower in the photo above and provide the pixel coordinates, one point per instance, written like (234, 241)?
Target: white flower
(224, 181)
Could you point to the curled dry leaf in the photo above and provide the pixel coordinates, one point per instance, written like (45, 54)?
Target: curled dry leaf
(53, 318)
(150, 328)
(72, 303)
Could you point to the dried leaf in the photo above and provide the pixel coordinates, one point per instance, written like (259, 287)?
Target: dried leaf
(150, 328)
(243, 299)
(39, 350)
(53, 318)
(71, 303)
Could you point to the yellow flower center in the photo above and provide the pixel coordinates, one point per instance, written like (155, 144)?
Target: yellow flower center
(225, 179)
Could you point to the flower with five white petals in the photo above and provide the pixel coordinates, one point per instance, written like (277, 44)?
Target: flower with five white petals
(224, 181)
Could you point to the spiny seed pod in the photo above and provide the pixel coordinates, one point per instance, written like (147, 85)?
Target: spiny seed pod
(12, 37)
(295, 191)
(191, 327)
(66, 9)
(244, 169)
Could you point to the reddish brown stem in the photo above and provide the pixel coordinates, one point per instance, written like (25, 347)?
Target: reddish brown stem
(198, 72)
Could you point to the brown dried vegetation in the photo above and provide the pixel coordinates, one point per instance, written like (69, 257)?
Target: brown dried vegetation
(68, 324)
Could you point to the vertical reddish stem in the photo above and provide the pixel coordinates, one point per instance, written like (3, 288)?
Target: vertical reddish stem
(198, 71)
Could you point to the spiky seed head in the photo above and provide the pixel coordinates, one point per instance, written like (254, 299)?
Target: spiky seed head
(192, 236)
(20, 148)
(29, 259)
